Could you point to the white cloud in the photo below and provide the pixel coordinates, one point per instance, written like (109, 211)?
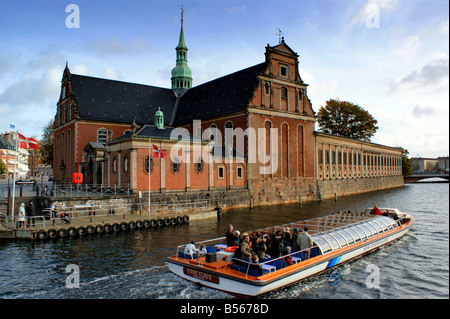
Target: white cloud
(115, 46)
(6, 63)
(80, 69)
(421, 111)
(408, 47)
(370, 8)
(32, 90)
(319, 91)
(236, 10)
(111, 73)
(433, 74)
(443, 27)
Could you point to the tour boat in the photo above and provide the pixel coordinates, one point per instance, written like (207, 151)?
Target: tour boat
(337, 238)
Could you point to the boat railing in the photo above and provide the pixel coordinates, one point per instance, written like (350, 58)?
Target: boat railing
(238, 261)
(209, 242)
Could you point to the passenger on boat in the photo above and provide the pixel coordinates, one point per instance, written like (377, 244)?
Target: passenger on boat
(190, 249)
(375, 210)
(305, 242)
(294, 239)
(257, 267)
(287, 240)
(288, 259)
(276, 243)
(259, 247)
(246, 251)
(202, 250)
(232, 238)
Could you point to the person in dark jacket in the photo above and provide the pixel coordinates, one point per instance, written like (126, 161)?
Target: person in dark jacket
(29, 209)
(231, 237)
(277, 240)
(259, 247)
(294, 239)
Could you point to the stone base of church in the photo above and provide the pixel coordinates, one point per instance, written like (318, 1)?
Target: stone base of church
(286, 190)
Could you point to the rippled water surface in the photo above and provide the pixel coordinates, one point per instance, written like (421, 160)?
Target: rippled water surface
(132, 264)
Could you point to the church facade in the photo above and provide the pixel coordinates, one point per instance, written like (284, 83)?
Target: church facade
(252, 129)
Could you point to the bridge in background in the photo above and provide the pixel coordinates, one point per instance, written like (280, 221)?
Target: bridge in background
(422, 177)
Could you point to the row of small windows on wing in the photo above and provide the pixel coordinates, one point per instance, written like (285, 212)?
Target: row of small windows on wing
(353, 234)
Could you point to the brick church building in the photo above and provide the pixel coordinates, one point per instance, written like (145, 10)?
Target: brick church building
(104, 128)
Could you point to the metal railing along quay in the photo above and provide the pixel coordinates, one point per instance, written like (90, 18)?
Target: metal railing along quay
(70, 190)
(86, 212)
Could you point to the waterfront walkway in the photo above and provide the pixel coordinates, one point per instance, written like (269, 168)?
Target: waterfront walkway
(90, 225)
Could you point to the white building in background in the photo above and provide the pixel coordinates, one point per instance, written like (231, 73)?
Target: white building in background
(430, 165)
(9, 156)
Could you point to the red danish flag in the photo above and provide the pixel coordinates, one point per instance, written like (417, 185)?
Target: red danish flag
(27, 142)
(157, 152)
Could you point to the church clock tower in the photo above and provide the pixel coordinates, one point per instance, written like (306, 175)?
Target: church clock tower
(181, 73)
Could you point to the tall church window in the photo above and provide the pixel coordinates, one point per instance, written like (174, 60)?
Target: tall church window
(175, 165)
(199, 165)
(125, 165)
(220, 172)
(102, 135)
(213, 132)
(68, 152)
(267, 88)
(284, 92)
(239, 172)
(148, 164)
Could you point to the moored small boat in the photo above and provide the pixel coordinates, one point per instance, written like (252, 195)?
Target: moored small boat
(337, 238)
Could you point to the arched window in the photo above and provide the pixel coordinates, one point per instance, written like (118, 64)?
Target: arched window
(284, 92)
(267, 88)
(175, 165)
(125, 165)
(114, 165)
(199, 165)
(148, 164)
(213, 132)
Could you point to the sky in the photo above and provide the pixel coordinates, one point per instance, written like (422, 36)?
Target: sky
(391, 57)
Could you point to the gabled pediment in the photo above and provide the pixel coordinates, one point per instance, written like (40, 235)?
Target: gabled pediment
(283, 47)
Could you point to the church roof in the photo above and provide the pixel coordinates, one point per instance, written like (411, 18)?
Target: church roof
(116, 101)
(2, 146)
(228, 94)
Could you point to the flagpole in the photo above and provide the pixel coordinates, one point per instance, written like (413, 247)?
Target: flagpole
(149, 172)
(14, 178)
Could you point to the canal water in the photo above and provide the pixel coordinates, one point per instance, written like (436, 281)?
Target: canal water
(132, 265)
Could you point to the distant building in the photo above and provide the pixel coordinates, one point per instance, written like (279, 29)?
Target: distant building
(423, 164)
(443, 164)
(8, 154)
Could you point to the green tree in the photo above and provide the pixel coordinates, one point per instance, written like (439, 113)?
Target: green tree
(406, 163)
(46, 144)
(3, 168)
(346, 119)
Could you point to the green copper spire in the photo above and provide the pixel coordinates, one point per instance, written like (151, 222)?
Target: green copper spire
(159, 119)
(181, 73)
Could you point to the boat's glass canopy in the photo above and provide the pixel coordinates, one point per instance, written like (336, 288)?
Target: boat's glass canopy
(355, 233)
